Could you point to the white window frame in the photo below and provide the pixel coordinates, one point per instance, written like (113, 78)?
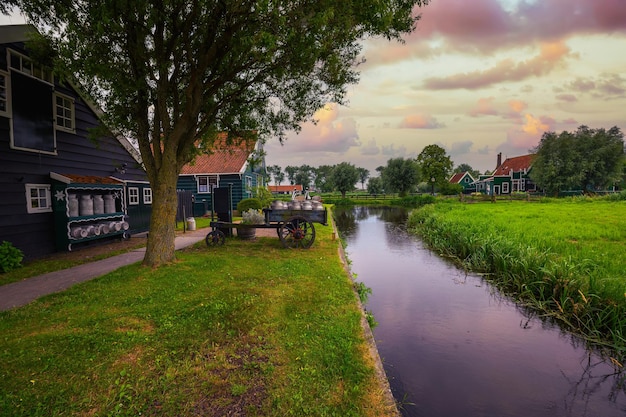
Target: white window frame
(66, 112)
(20, 62)
(147, 195)
(249, 186)
(5, 94)
(208, 188)
(43, 196)
(505, 188)
(133, 196)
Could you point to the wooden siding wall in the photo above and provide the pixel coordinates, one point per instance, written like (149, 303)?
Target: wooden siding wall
(239, 192)
(76, 154)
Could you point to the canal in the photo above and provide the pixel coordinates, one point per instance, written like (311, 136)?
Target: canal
(452, 346)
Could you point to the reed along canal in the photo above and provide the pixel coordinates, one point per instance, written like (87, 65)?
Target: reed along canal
(452, 346)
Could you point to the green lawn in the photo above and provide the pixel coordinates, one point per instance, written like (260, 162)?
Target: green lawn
(565, 257)
(249, 328)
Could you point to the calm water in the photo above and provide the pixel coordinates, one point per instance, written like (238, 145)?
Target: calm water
(453, 347)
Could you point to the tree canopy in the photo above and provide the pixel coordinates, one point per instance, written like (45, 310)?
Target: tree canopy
(344, 176)
(173, 73)
(586, 159)
(400, 175)
(435, 164)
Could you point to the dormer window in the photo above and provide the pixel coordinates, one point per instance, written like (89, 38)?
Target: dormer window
(26, 66)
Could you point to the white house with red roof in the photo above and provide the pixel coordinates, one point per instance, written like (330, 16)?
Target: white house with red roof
(238, 166)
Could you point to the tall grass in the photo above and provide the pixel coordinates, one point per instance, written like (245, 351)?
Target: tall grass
(565, 258)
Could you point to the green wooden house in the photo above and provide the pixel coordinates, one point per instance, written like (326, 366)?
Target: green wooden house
(510, 176)
(464, 179)
(228, 166)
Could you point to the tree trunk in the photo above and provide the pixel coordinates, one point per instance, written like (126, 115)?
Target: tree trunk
(160, 246)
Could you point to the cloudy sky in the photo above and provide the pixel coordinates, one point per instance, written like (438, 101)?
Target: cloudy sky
(477, 78)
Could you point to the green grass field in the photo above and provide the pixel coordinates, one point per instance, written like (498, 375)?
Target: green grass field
(248, 328)
(566, 258)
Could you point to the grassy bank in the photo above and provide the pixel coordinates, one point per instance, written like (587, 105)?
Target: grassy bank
(248, 328)
(567, 258)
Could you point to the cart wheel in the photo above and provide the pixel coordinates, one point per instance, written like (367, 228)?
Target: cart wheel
(297, 232)
(214, 238)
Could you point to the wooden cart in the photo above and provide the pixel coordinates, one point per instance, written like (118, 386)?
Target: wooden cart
(294, 227)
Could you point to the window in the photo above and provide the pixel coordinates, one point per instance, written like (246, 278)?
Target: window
(133, 196)
(26, 66)
(32, 115)
(64, 113)
(505, 188)
(206, 183)
(147, 195)
(249, 186)
(38, 198)
(4, 94)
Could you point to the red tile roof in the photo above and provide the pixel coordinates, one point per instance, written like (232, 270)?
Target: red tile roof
(228, 159)
(456, 178)
(285, 188)
(516, 164)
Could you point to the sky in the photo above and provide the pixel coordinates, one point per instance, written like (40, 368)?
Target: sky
(477, 78)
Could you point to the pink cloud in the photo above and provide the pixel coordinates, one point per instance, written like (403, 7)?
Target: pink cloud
(485, 26)
(550, 57)
(420, 121)
(566, 97)
(484, 106)
(330, 134)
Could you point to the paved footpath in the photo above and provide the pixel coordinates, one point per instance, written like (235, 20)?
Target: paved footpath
(20, 293)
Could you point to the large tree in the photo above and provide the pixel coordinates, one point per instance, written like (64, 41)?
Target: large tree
(363, 176)
(400, 175)
(586, 159)
(435, 165)
(174, 73)
(344, 177)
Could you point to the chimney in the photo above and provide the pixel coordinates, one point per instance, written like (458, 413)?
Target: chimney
(499, 160)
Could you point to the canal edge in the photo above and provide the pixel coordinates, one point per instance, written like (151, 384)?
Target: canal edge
(381, 375)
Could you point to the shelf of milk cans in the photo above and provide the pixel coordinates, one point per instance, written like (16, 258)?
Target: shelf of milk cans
(85, 212)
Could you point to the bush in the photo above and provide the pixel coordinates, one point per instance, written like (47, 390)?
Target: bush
(10, 257)
(249, 203)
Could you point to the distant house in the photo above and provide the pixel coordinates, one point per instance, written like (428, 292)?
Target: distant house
(48, 162)
(285, 189)
(510, 176)
(228, 166)
(465, 180)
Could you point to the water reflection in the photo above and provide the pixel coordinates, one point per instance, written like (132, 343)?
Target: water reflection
(453, 346)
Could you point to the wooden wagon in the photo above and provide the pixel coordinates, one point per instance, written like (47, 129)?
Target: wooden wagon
(295, 228)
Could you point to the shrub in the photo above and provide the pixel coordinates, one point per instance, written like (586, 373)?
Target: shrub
(10, 257)
(249, 203)
(253, 216)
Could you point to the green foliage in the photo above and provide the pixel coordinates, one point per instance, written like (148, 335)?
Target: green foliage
(375, 185)
(400, 176)
(585, 160)
(415, 200)
(249, 203)
(447, 188)
(344, 176)
(435, 165)
(363, 291)
(264, 196)
(10, 257)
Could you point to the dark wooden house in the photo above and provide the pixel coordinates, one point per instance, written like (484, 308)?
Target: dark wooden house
(48, 159)
(229, 166)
